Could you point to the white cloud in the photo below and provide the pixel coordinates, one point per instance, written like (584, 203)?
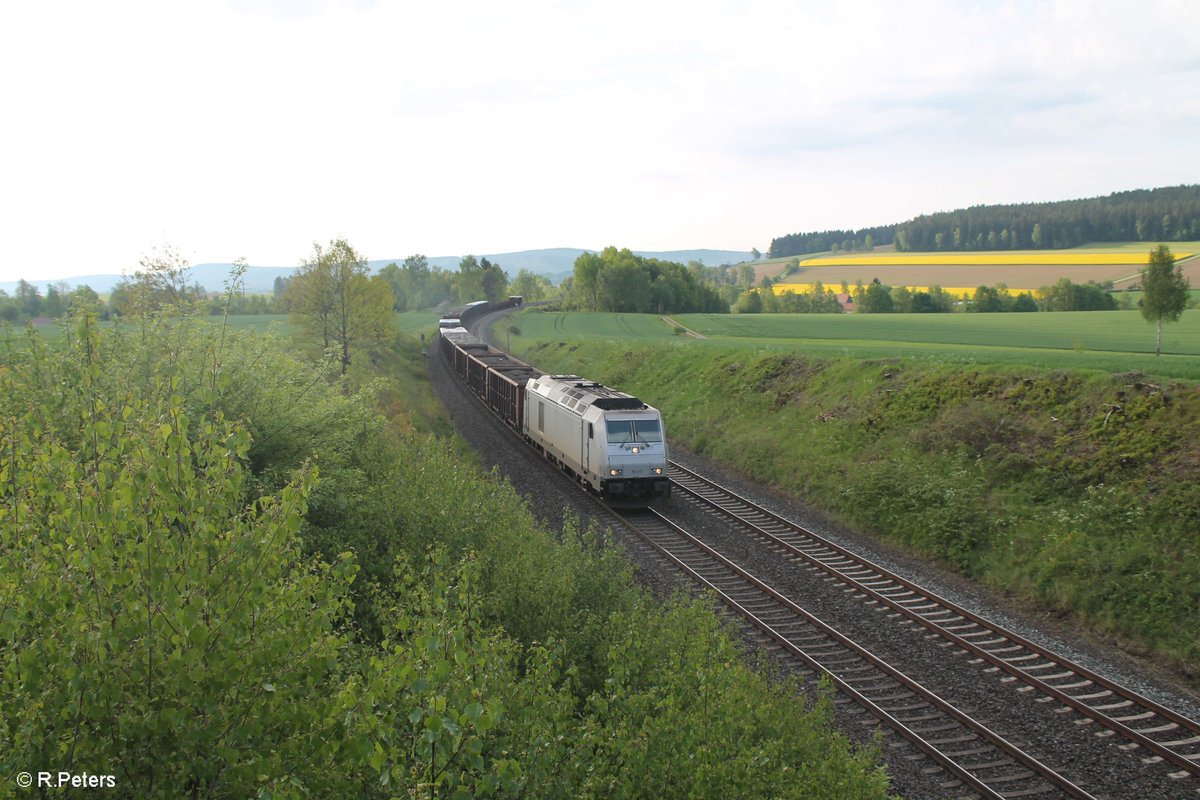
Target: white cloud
(253, 127)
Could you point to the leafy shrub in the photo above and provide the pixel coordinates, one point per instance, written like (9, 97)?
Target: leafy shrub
(186, 601)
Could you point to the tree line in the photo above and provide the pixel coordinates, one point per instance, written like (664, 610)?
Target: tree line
(619, 280)
(798, 244)
(1169, 214)
(414, 285)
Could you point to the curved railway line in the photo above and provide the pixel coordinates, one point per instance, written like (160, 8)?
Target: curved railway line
(979, 759)
(972, 760)
(1163, 733)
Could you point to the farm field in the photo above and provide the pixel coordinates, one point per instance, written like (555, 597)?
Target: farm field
(411, 322)
(1020, 270)
(1108, 341)
(549, 325)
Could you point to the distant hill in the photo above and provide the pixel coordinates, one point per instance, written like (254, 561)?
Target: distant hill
(555, 264)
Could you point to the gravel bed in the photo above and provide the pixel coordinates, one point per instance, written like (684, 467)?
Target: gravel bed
(1038, 625)
(1099, 763)
(554, 499)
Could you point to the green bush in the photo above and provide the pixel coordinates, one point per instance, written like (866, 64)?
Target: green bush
(222, 576)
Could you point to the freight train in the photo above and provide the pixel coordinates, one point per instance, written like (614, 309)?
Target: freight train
(610, 442)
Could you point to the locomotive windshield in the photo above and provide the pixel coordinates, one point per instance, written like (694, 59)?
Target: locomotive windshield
(647, 430)
(627, 431)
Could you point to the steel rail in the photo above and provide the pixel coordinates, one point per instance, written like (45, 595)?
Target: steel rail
(932, 616)
(1053, 780)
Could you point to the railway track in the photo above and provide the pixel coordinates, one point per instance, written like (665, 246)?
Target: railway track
(976, 762)
(1162, 734)
(975, 759)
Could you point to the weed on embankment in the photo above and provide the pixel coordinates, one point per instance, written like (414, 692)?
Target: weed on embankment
(1078, 489)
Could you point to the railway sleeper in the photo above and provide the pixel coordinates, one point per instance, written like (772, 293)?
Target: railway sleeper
(958, 755)
(1182, 742)
(1170, 726)
(842, 672)
(900, 591)
(1056, 676)
(1029, 657)
(969, 736)
(1112, 706)
(1133, 717)
(991, 642)
(908, 605)
(886, 686)
(1024, 775)
(966, 627)
(977, 634)
(997, 764)
(765, 604)
(920, 718)
(949, 725)
(806, 645)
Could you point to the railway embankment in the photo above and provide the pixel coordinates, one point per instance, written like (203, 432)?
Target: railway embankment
(1075, 491)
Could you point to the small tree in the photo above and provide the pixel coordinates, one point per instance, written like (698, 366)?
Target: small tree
(333, 296)
(876, 299)
(1165, 291)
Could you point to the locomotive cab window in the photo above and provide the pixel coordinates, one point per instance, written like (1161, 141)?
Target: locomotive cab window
(591, 433)
(627, 431)
(648, 430)
(620, 431)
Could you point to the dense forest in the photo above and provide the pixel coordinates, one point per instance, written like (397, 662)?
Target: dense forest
(798, 244)
(1170, 214)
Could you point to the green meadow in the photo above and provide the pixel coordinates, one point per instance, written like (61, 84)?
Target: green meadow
(1109, 341)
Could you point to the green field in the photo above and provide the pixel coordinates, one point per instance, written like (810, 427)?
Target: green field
(1109, 341)
(409, 322)
(416, 322)
(537, 324)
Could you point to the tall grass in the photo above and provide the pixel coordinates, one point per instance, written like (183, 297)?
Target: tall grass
(1079, 489)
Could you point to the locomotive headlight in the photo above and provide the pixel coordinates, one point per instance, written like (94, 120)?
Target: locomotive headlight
(637, 450)
(614, 472)
(658, 470)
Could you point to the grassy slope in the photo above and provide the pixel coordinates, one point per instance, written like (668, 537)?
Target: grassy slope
(1075, 488)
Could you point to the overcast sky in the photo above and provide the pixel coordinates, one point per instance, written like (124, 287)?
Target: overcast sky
(252, 128)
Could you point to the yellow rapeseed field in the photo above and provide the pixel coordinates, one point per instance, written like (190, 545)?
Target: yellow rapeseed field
(801, 288)
(974, 259)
